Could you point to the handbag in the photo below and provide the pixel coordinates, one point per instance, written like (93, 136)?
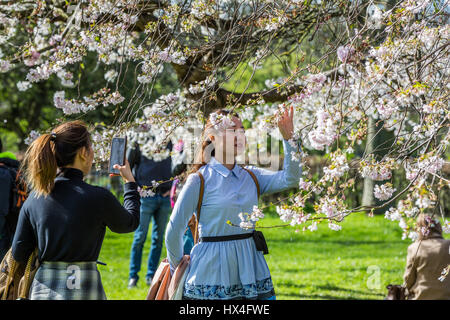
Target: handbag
(176, 285)
(260, 242)
(16, 278)
(160, 282)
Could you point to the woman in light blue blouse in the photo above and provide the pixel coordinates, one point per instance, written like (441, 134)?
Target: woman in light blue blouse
(232, 269)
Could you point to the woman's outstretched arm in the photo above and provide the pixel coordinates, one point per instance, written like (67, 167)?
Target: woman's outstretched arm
(185, 206)
(275, 181)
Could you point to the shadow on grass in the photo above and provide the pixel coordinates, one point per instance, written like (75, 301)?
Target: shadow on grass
(341, 242)
(316, 296)
(353, 293)
(340, 268)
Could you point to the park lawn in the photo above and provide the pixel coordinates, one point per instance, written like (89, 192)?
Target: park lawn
(354, 263)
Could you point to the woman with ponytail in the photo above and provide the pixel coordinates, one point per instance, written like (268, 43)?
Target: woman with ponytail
(66, 218)
(227, 262)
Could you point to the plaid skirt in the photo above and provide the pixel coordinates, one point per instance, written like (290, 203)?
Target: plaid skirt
(67, 281)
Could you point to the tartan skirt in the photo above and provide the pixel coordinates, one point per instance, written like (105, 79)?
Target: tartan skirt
(67, 281)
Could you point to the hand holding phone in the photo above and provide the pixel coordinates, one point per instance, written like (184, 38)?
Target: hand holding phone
(118, 164)
(125, 171)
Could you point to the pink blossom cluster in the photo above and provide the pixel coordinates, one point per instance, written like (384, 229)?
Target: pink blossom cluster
(62, 57)
(386, 109)
(332, 208)
(377, 171)
(31, 137)
(145, 192)
(431, 164)
(248, 219)
(338, 167)
(383, 192)
(324, 133)
(72, 106)
(293, 217)
(304, 185)
(446, 226)
(404, 213)
(345, 53)
(221, 122)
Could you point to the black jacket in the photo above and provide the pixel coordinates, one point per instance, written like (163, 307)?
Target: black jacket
(70, 223)
(8, 171)
(146, 170)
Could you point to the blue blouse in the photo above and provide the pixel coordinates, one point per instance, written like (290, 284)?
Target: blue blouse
(229, 269)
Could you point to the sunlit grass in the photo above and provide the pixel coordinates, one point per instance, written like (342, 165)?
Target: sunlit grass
(354, 263)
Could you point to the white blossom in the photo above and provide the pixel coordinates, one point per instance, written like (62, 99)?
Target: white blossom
(334, 227)
(23, 85)
(384, 191)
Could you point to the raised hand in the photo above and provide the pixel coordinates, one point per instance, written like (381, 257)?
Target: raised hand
(286, 123)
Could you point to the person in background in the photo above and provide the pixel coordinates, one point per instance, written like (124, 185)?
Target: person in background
(179, 168)
(154, 209)
(427, 257)
(65, 218)
(6, 154)
(10, 200)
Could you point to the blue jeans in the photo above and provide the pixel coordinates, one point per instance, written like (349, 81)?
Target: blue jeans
(156, 210)
(188, 241)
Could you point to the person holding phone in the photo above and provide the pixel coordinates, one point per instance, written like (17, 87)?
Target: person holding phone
(66, 218)
(228, 262)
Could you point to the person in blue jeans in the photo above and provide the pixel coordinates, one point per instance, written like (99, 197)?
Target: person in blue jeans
(154, 210)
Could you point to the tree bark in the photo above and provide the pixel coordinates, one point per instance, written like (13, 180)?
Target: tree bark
(368, 199)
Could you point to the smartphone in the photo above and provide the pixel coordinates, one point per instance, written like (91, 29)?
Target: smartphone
(118, 154)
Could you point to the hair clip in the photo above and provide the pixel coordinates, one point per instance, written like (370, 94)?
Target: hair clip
(52, 136)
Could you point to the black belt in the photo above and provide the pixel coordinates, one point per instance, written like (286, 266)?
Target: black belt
(257, 236)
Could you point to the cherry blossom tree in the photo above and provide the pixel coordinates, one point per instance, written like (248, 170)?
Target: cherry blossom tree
(382, 67)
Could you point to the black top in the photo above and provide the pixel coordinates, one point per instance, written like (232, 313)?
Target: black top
(8, 170)
(146, 170)
(70, 223)
(9, 212)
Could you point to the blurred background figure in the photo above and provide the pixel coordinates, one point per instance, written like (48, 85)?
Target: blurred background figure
(426, 259)
(155, 209)
(13, 193)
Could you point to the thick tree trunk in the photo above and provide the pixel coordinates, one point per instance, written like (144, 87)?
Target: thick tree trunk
(368, 199)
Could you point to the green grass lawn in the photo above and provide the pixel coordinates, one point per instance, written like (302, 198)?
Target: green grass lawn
(354, 263)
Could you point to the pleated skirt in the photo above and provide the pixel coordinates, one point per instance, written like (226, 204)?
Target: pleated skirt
(67, 281)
